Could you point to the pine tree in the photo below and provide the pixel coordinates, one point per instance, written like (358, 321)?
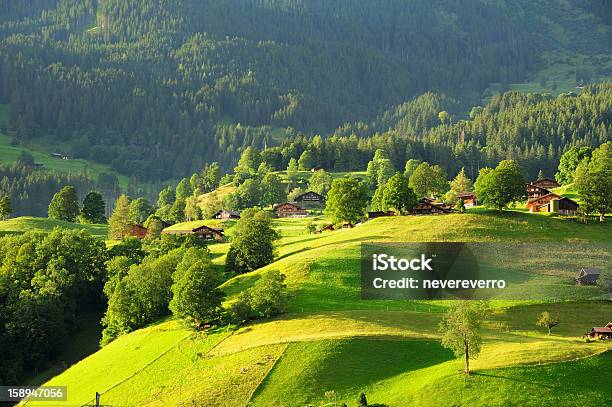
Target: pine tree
(94, 208)
(119, 222)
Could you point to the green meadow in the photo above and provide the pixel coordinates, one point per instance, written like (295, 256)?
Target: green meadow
(24, 224)
(10, 153)
(331, 345)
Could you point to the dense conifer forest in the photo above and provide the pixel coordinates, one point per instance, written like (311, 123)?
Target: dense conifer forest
(158, 88)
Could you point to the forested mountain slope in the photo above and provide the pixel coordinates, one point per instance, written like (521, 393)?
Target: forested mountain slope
(156, 88)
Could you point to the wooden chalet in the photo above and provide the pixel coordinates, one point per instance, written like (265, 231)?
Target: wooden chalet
(534, 204)
(600, 332)
(328, 228)
(588, 276)
(380, 214)
(564, 206)
(317, 168)
(136, 230)
(226, 215)
(534, 191)
(468, 198)
(546, 183)
(289, 210)
(203, 232)
(310, 197)
(427, 206)
(553, 203)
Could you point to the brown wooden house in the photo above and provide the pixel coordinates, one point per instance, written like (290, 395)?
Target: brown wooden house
(226, 215)
(427, 206)
(468, 198)
(600, 332)
(536, 203)
(547, 183)
(289, 210)
(588, 276)
(203, 232)
(534, 191)
(136, 230)
(563, 205)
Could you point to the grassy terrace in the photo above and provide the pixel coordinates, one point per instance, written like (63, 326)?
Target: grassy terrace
(330, 339)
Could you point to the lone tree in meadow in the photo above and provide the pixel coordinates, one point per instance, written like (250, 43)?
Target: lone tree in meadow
(196, 297)
(593, 181)
(119, 222)
(6, 207)
(64, 205)
(497, 188)
(460, 328)
(252, 242)
(347, 200)
(398, 195)
(93, 208)
(547, 321)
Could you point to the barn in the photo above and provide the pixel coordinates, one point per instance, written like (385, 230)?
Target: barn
(226, 215)
(600, 332)
(289, 210)
(588, 276)
(136, 230)
(468, 198)
(203, 232)
(427, 206)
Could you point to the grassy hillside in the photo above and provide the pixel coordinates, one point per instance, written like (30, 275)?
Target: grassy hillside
(10, 153)
(28, 223)
(332, 345)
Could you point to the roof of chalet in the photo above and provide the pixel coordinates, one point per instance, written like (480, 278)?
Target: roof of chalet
(232, 213)
(428, 201)
(601, 329)
(552, 194)
(545, 179)
(306, 193)
(466, 194)
(289, 203)
(591, 271)
(194, 230)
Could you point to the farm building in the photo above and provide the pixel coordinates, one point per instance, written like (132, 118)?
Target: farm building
(588, 276)
(546, 183)
(203, 232)
(317, 168)
(468, 198)
(553, 203)
(564, 206)
(427, 206)
(534, 191)
(289, 210)
(540, 201)
(597, 332)
(310, 198)
(380, 214)
(225, 215)
(136, 230)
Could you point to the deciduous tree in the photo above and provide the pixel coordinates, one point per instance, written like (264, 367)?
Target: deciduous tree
(461, 329)
(64, 205)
